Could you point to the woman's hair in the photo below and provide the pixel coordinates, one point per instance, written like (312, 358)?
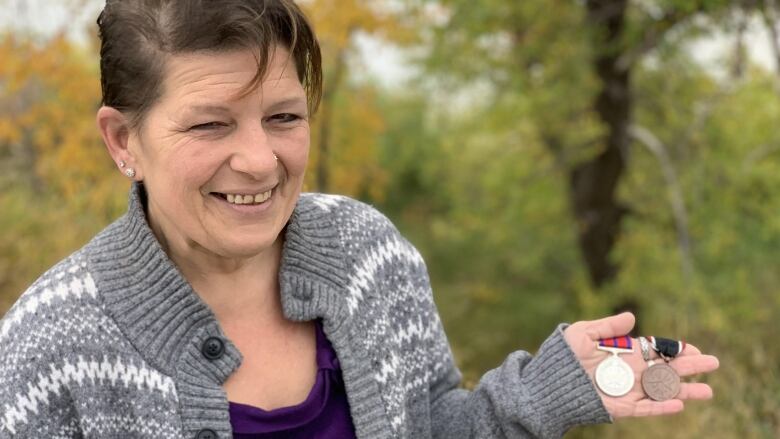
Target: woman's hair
(137, 36)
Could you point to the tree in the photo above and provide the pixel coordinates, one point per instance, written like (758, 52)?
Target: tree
(346, 130)
(56, 174)
(523, 46)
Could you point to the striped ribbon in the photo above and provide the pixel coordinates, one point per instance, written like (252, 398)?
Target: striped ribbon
(623, 342)
(667, 347)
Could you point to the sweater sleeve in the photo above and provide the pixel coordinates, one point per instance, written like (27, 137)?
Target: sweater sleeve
(539, 396)
(34, 402)
(526, 397)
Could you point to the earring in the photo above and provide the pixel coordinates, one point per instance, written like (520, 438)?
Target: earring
(130, 172)
(276, 158)
(122, 164)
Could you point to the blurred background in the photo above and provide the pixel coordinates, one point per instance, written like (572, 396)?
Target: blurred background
(553, 160)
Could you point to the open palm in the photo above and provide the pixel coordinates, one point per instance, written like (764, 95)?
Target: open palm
(583, 338)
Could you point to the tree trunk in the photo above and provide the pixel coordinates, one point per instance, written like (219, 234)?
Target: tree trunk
(769, 13)
(593, 183)
(740, 51)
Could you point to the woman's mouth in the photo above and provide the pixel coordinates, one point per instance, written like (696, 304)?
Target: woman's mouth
(245, 199)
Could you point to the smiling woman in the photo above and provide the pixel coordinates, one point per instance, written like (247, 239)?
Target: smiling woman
(225, 303)
(222, 163)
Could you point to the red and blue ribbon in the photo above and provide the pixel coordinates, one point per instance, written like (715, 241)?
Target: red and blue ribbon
(623, 342)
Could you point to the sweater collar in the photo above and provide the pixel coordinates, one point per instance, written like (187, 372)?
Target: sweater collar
(171, 327)
(159, 312)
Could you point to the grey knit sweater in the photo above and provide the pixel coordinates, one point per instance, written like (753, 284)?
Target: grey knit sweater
(113, 342)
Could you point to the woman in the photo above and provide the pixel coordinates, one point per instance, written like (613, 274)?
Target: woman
(225, 302)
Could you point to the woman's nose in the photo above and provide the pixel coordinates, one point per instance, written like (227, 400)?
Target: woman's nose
(253, 154)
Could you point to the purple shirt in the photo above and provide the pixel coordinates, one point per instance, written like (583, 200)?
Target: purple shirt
(324, 414)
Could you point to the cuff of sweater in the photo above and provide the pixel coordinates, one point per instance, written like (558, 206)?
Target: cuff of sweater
(564, 393)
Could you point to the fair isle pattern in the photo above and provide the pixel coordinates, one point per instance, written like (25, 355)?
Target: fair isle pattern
(103, 426)
(59, 311)
(68, 430)
(390, 251)
(325, 202)
(388, 287)
(402, 372)
(108, 343)
(50, 332)
(94, 373)
(50, 293)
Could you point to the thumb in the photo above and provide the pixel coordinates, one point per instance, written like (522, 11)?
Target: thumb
(612, 326)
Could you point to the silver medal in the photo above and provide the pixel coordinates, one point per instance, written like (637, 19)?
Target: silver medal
(614, 376)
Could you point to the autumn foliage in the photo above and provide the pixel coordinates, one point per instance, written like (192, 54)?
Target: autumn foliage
(479, 160)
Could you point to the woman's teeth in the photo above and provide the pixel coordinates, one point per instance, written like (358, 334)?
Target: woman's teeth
(248, 199)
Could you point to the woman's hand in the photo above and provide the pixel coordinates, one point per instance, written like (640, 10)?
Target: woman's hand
(583, 338)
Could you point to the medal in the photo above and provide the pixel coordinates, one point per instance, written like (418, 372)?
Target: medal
(660, 381)
(614, 376)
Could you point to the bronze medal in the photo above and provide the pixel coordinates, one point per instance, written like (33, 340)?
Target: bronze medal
(660, 382)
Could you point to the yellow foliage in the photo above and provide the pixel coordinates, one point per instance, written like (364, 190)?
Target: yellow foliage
(351, 112)
(53, 159)
(335, 22)
(48, 101)
(356, 128)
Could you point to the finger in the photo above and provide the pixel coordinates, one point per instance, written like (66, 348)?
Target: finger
(694, 364)
(690, 350)
(612, 326)
(695, 391)
(648, 407)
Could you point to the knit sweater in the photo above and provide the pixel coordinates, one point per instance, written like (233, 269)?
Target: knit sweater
(113, 342)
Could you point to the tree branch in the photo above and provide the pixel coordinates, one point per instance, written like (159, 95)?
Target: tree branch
(657, 148)
(653, 35)
(769, 14)
(740, 52)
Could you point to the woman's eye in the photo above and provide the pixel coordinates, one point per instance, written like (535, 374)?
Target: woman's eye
(285, 118)
(208, 126)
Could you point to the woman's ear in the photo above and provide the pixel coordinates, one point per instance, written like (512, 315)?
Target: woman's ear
(115, 129)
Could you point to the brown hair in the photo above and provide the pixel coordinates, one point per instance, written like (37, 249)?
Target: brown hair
(137, 36)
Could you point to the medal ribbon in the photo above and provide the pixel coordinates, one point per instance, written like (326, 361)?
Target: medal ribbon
(667, 348)
(623, 342)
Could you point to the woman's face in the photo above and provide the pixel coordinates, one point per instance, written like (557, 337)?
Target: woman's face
(206, 152)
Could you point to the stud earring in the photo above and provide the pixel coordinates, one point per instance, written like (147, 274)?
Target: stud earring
(276, 158)
(130, 172)
(122, 164)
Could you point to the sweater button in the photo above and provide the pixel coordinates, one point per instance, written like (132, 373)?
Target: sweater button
(213, 349)
(206, 434)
